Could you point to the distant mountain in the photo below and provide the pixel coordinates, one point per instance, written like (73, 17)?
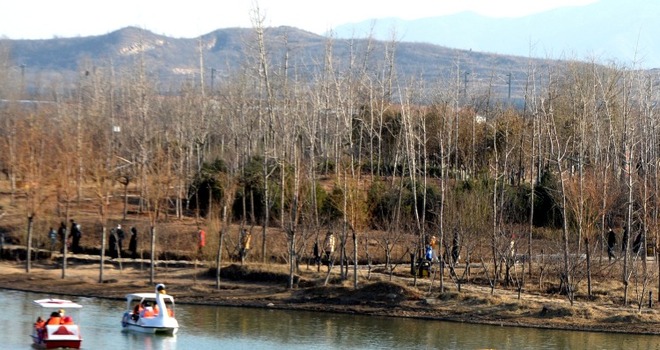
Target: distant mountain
(171, 60)
(225, 51)
(623, 32)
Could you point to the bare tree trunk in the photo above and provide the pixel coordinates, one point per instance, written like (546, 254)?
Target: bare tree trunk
(152, 273)
(28, 248)
(495, 232)
(532, 192)
(102, 261)
(355, 259)
(125, 211)
(266, 126)
(218, 258)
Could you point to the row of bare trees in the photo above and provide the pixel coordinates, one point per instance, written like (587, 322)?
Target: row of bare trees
(360, 151)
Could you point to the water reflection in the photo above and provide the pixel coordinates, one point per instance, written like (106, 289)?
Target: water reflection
(207, 328)
(148, 341)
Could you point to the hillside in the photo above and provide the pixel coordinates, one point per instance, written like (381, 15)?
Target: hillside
(173, 61)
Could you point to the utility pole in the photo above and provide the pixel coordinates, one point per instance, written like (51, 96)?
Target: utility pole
(465, 77)
(23, 79)
(509, 83)
(212, 78)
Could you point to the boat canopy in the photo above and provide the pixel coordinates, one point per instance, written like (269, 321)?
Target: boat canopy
(148, 296)
(57, 304)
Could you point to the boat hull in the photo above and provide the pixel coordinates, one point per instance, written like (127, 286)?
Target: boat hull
(57, 336)
(150, 330)
(57, 344)
(150, 325)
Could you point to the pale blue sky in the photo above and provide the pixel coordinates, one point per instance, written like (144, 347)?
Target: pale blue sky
(45, 19)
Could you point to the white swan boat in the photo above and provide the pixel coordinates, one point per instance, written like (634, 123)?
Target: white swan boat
(59, 330)
(150, 313)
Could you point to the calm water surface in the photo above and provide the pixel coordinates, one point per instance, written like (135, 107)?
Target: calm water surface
(206, 328)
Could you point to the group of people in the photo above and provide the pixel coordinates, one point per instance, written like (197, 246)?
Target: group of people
(70, 239)
(147, 309)
(56, 318)
(625, 236)
(116, 242)
(245, 243)
(144, 309)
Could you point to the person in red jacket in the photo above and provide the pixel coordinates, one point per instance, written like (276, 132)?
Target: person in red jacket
(201, 236)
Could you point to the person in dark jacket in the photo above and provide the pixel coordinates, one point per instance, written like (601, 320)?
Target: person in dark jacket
(76, 235)
(611, 242)
(624, 240)
(62, 233)
(112, 244)
(132, 244)
(120, 238)
(637, 244)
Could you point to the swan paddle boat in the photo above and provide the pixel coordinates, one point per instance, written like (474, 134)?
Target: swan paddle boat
(58, 330)
(150, 313)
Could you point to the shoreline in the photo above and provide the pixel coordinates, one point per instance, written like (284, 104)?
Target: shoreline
(384, 299)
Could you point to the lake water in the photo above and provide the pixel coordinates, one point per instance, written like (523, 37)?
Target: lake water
(207, 328)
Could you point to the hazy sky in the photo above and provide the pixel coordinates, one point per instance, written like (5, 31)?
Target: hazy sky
(45, 19)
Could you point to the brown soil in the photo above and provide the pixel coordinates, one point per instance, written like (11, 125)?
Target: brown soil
(378, 296)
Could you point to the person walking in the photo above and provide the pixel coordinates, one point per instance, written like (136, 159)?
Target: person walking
(624, 240)
(246, 240)
(52, 235)
(120, 238)
(329, 246)
(637, 244)
(611, 242)
(201, 240)
(62, 233)
(112, 244)
(76, 235)
(132, 243)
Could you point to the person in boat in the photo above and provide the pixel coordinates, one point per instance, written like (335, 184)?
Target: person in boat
(67, 320)
(139, 307)
(168, 310)
(137, 310)
(148, 310)
(54, 319)
(39, 323)
(40, 327)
